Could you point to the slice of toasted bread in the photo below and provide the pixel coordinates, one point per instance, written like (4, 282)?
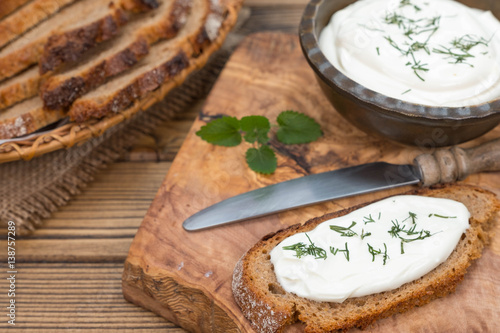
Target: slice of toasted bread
(119, 93)
(19, 87)
(26, 117)
(71, 44)
(27, 17)
(139, 5)
(88, 17)
(67, 35)
(9, 6)
(116, 56)
(270, 308)
(165, 59)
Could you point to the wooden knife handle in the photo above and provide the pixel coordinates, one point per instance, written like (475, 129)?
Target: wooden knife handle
(449, 165)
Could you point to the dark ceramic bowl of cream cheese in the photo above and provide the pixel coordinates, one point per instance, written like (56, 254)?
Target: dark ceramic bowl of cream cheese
(380, 115)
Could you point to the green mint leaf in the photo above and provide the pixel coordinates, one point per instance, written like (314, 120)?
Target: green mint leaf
(222, 132)
(297, 128)
(255, 128)
(262, 159)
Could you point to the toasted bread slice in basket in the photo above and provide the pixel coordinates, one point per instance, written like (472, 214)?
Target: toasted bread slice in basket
(116, 56)
(90, 17)
(71, 45)
(67, 35)
(27, 17)
(26, 117)
(19, 87)
(9, 6)
(270, 308)
(162, 63)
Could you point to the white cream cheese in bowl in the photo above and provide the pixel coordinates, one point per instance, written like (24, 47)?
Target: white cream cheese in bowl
(429, 52)
(373, 249)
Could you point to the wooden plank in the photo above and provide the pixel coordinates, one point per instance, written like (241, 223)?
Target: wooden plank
(271, 17)
(81, 250)
(77, 298)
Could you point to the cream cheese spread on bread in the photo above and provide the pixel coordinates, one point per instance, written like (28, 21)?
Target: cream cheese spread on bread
(435, 53)
(373, 249)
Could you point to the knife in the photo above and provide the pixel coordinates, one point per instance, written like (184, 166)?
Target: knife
(442, 166)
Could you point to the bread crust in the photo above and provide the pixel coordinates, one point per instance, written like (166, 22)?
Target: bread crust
(35, 118)
(27, 17)
(19, 88)
(55, 41)
(147, 78)
(9, 6)
(60, 91)
(139, 5)
(70, 46)
(15, 58)
(269, 308)
(118, 100)
(169, 59)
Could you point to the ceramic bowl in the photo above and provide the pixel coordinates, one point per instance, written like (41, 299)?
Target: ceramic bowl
(380, 115)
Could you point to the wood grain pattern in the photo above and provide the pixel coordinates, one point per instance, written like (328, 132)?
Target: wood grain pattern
(69, 271)
(186, 276)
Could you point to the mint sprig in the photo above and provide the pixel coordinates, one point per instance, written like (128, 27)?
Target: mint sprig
(293, 128)
(296, 128)
(262, 159)
(256, 128)
(224, 131)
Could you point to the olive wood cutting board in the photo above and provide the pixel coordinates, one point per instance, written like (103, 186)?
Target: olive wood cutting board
(186, 276)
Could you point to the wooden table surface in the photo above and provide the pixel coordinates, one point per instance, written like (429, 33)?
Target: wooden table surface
(69, 271)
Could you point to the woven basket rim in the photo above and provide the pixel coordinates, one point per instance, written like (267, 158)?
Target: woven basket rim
(70, 134)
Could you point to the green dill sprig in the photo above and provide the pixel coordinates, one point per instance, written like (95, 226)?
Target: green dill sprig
(404, 3)
(363, 235)
(460, 47)
(411, 216)
(416, 65)
(375, 252)
(412, 28)
(368, 219)
(443, 216)
(302, 250)
(343, 231)
(334, 251)
(459, 58)
(405, 235)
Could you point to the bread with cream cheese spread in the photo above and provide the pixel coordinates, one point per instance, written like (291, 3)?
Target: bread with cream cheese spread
(270, 308)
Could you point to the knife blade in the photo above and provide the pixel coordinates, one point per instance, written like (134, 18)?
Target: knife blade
(443, 166)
